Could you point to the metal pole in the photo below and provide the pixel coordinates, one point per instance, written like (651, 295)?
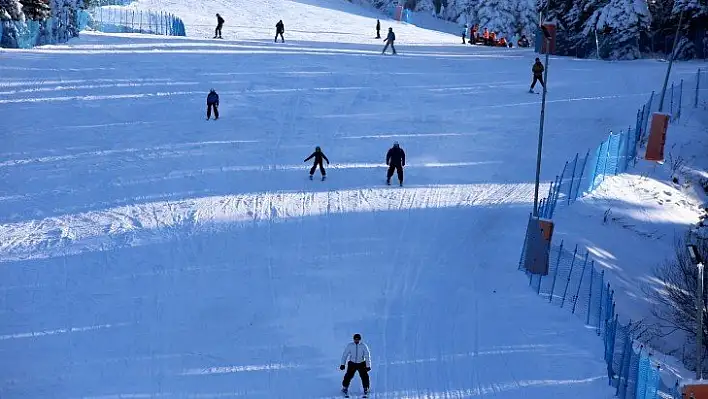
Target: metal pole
(671, 61)
(540, 130)
(699, 328)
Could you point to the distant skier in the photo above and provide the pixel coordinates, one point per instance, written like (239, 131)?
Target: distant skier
(279, 30)
(319, 156)
(358, 358)
(219, 24)
(537, 70)
(378, 29)
(213, 102)
(396, 160)
(390, 38)
(464, 33)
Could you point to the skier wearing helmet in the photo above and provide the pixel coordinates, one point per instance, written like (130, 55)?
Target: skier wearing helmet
(319, 156)
(357, 357)
(396, 160)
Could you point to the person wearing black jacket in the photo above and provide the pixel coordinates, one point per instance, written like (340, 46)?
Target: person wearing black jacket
(378, 29)
(396, 160)
(279, 30)
(219, 24)
(319, 156)
(537, 70)
(212, 102)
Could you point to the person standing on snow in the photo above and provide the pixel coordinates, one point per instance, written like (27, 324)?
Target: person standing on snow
(213, 102)
(378, 29)
(537, 70)
(279, 30)
(219, 24)
(389, 41)
(319, 156)
(396, 160)
(358, 358)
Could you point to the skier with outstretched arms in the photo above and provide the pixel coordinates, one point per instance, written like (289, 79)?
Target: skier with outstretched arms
(358, 359)
(319, 156)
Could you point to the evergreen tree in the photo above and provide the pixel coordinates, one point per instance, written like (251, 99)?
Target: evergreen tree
(11, 10)
(527, 18)
(36, 10)
(621, 22)
(694, 23)
(497, 16)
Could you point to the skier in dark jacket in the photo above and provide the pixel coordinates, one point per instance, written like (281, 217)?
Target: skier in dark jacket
(390, 38)
(213, 102)
(219, 24)
(378, 29)
(319, 156)
(279, 30)
(537, 70)
(396, 160)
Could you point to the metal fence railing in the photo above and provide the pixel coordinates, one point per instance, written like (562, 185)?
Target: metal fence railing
(111, 19)
(574, 283)
(620, 151)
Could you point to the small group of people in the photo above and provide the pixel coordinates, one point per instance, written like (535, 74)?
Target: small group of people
(395, 160)
(279, 29)
(488, 38)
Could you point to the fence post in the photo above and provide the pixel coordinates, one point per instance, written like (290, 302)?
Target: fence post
(592, 273)
(597, 162)
(570, 273)
(626, 149)
(582, 172)
(628, 359)
(572, 178)
(555, 275)
(680, 100)
(607, 157)
(580, 283)
(523, 249)
(698, 85)
(671, 102)
(132, 21)
(556, 193)
(538, 289)
(141, 21)
(551, 197)
(646, 117)
(610, 331)
(602, 293)
(621, 368)
(620, 138)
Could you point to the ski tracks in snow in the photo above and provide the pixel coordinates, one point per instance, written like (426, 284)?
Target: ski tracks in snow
(162, 221)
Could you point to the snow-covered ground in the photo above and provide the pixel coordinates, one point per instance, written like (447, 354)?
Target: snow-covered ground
(146, 251)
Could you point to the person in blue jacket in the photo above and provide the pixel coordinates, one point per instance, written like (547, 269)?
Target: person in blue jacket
(213, 102)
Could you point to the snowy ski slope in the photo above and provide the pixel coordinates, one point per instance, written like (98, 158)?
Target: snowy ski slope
(146, 252)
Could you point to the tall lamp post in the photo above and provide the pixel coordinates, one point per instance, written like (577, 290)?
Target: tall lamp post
(696, 260)
(547, 38)
(671, 61)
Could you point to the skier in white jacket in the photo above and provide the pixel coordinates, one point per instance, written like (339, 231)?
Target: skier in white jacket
(359, 360)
